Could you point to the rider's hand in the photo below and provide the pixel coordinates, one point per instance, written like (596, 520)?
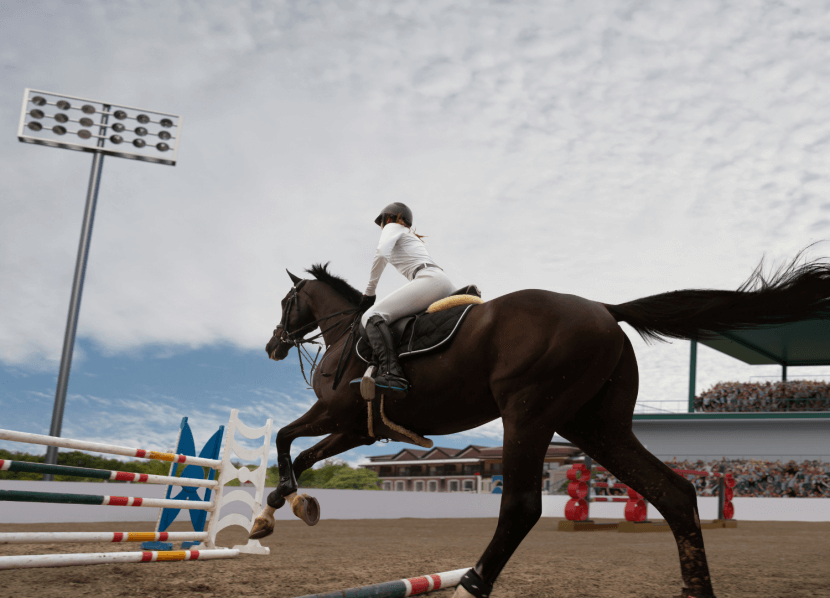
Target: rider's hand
(367, 301)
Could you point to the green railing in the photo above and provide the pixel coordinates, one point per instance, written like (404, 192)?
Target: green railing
(763, 405)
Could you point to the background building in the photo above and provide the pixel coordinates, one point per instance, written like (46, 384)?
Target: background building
(441, 469)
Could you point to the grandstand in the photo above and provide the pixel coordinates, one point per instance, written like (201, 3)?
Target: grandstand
(772, 435)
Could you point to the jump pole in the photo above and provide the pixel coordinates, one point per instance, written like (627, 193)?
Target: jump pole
(55, 537)
(103, 474)
(104, 558)
(111, 449)
(93, 499)
(226, 472)
(400, 588)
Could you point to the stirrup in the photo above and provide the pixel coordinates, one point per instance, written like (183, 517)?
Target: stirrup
(367, 384)
(394, 388)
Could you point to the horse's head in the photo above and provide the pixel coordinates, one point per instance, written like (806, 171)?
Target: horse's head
(295, 321)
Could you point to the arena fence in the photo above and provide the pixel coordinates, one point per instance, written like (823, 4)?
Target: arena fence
(225, 473)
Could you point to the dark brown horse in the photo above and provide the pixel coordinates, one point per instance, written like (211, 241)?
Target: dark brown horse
(544, 363)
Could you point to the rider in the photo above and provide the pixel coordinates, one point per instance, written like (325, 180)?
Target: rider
(427, 283)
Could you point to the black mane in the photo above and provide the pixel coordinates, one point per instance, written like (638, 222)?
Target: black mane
(343, 288)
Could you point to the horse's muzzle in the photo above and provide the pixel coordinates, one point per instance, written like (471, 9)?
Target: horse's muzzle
(277, 349)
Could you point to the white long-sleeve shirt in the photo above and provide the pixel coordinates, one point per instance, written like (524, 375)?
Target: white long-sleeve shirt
(400, 247)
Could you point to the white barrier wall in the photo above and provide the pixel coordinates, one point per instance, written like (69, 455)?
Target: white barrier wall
(367, 504)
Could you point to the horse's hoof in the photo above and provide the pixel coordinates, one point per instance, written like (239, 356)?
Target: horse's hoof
(687, 593)
(262, 528)
(461, 592)
(305, 507)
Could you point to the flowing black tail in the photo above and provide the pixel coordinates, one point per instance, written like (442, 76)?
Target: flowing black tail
(796, 291)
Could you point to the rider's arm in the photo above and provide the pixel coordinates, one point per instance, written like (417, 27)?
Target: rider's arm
(388, 237)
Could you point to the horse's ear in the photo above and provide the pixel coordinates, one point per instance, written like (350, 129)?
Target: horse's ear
(294, 279)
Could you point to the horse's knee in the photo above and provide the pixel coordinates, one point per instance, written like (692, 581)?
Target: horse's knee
(681, 497)
(533, 512)
(304, 461)
(687, 490)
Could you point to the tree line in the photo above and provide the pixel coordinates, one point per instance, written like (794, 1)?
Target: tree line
(333, 474)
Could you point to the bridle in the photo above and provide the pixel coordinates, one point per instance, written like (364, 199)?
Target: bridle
(296, 337)
(285, 336)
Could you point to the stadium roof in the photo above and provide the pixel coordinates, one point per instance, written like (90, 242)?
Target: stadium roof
(802, 343)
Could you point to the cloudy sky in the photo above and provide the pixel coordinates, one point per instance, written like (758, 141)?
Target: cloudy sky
(608, 149)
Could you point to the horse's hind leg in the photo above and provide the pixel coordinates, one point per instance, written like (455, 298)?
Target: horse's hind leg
(602, 428)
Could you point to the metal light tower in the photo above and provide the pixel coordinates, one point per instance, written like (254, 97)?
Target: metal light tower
(100, 128)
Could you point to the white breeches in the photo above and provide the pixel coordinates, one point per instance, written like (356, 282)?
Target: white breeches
(428, 286)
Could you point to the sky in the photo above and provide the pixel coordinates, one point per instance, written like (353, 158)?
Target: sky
(611, 150)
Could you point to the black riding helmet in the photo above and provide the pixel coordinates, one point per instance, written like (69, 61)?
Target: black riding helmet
(395, 209)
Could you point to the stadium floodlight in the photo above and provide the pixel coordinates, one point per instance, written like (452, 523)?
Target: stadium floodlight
(101, 128)
(98, 127)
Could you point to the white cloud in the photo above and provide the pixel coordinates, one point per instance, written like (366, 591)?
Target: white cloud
(607, 151)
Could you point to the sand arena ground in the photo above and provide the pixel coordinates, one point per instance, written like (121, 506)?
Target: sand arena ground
(772, 560)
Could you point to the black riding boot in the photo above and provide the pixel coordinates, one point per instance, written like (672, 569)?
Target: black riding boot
(390, 378)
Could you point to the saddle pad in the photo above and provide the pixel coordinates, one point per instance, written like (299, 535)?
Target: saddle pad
(429, 331)
(453, 301)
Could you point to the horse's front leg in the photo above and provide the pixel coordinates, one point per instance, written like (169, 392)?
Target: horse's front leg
(525, 444)
(315, 422)
(329, 447)
(304, 506)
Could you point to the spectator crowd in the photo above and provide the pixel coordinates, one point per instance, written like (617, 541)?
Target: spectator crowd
(795, 395)
(753, 477)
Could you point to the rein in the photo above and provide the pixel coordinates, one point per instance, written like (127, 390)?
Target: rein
(295, 338)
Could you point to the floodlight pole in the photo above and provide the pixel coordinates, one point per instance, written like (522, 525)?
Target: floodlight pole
(75, 300)
(36, 118)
